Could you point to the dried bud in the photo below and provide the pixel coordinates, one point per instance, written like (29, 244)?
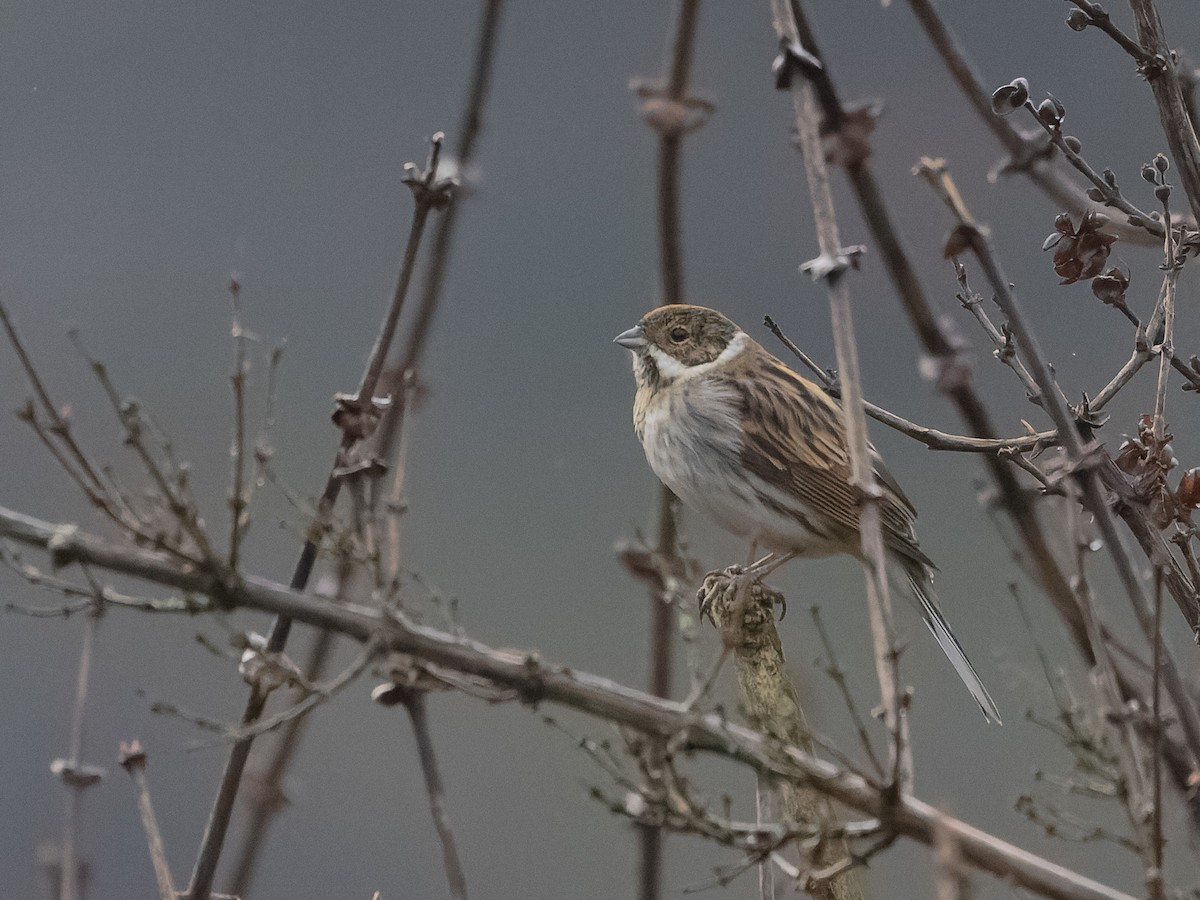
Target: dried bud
(1078, 20)
(1110, 287)
(1073, 143)
(1012, 96)
(1080, 252)
(1161, 163)
(1096, 194)
(1149, 174)
(1162, 193)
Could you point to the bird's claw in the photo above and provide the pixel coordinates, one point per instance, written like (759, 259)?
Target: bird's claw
(715, 583)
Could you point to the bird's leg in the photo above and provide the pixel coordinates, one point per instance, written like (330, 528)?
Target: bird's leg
(769, 563)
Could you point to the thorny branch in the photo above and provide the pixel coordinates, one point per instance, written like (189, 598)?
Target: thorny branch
(831, 268)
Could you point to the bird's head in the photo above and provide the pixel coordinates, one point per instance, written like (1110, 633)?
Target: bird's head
(680, 341)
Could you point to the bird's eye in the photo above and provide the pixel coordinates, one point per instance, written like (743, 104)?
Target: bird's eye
(679, 335)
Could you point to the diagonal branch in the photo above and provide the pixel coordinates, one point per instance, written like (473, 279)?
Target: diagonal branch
(831, 267)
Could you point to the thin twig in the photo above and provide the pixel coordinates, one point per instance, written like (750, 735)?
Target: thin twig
(838, 676)
(1098, 17)
(315, 695)
(74, 774)
(1026, 155)
(1154, 872)
(1104, 679)
(167, 478)
(428, 193)
(133, 760)
(973, 303)
(415, 705)
(930, 437)
(88, 479)
(237, 491)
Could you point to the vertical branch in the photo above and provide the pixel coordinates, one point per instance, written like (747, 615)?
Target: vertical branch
(831, 266)
(952, 883)
(1154, 872)
(954, 378)
(469, 131)
(766, 810)
(666, 109)
(669, 147)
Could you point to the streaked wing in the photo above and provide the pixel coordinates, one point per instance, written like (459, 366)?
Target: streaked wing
(794, 439)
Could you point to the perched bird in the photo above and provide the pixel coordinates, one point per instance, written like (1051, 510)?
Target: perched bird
(738, 435)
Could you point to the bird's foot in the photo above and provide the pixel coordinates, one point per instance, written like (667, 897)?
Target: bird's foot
(728, 595)
(716, 585)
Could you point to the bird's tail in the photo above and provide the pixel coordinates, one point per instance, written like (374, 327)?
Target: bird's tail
(936, 620)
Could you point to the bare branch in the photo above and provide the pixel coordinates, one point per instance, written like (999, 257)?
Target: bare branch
(1085, 458)
(534, 680)
(353, 417)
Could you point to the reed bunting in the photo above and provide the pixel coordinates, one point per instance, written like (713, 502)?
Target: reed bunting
(738, 435)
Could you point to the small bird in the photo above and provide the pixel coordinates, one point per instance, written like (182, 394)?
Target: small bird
(739, 436)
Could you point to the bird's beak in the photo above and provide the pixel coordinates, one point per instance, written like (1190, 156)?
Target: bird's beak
(633, 339)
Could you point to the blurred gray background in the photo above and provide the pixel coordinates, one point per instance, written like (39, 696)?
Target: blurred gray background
(149, 150)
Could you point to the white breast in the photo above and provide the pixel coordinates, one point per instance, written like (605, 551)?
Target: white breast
(691, 434)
